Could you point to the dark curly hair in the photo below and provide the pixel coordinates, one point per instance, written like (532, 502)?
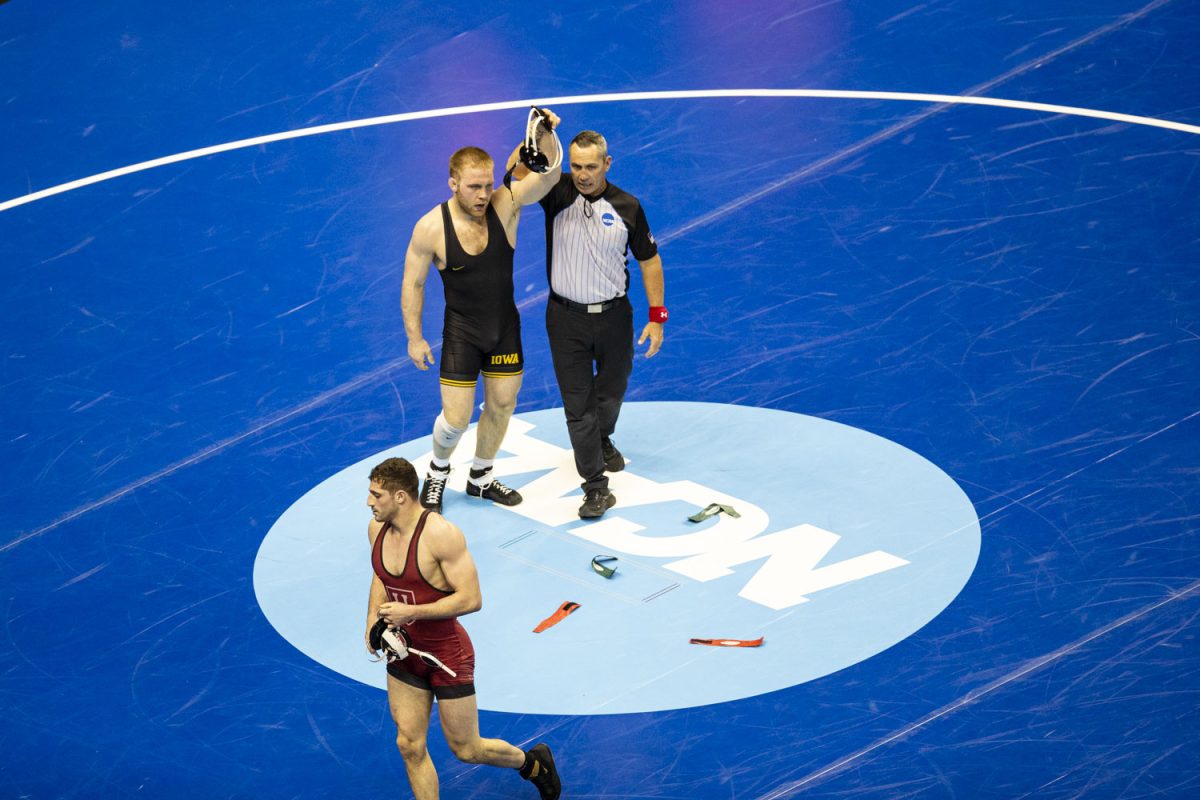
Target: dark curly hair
(396, 475)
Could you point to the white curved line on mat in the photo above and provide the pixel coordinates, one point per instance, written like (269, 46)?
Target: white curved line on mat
(616, 97)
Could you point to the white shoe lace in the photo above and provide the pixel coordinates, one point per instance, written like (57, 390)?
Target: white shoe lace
(434, 486)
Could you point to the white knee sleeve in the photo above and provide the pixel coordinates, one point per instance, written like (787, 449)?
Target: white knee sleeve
(444, 434)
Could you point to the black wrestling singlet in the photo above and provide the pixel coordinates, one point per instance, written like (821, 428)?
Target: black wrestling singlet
(478, 286)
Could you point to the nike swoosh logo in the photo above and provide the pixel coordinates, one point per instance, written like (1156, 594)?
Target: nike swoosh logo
(455, 269)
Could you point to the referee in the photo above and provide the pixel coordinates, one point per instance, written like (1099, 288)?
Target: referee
(590, 226)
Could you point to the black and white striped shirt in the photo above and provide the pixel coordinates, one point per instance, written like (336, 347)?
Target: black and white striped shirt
(587, 238)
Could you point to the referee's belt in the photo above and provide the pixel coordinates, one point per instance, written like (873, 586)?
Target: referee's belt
(587, 308)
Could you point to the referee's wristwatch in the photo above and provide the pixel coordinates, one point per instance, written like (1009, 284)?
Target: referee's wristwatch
(658, 314)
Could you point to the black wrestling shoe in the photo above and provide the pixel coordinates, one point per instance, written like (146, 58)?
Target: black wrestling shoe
(434, 488)
(613, 460)
(596, 503)
(495, 491)
(541, 772)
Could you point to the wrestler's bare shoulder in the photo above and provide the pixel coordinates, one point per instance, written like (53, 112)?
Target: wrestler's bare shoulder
(429, 227)
(443, 534)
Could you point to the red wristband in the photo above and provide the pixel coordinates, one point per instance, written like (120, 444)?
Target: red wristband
(658, 313)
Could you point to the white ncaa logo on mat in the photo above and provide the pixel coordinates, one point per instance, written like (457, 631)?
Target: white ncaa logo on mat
(845, 544)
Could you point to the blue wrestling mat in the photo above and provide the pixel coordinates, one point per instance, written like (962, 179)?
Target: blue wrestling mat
(932, 278)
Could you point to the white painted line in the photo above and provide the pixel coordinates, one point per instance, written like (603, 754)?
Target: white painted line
(616, 97)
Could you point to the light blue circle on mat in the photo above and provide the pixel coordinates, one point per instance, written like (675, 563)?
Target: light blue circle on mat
(846, 543)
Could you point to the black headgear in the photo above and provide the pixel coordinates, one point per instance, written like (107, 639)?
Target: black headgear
(533, 158)
(393, 641)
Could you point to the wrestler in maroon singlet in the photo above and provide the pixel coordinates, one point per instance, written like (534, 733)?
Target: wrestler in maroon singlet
(445, 638)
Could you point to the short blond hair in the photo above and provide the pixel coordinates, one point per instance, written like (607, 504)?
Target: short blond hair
(467, 157)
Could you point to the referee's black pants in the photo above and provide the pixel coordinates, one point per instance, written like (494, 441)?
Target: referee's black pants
(593, 356)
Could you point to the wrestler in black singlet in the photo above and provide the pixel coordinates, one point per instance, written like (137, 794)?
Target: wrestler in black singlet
(482, 329)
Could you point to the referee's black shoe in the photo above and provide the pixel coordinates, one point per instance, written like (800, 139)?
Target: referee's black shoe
(613, 460)
(596, 502)
(539, 770)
